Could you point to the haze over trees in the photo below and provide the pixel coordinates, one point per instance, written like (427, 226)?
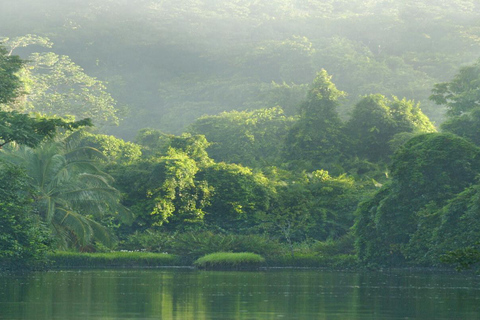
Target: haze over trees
(172, 62)
(225, 125)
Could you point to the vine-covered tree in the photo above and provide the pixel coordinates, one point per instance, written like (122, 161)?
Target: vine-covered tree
(394, 225)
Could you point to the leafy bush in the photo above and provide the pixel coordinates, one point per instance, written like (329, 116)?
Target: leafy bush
(343, 245)
(312, 260)
(193, 245)
(149, 241)
(230, 260)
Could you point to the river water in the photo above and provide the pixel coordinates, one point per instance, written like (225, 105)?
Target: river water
(184, 294)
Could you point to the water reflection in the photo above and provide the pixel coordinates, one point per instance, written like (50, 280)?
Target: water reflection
(268, 295)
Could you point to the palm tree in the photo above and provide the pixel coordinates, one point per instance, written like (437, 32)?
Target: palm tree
(70, 192)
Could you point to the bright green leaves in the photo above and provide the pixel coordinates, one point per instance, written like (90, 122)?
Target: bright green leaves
(55, 85)
(26, 130)
(179, 193)
(70, 193)
(9, 81)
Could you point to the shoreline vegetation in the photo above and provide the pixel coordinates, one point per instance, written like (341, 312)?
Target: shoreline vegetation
(223, 261)
(274, 150)
(218, 260)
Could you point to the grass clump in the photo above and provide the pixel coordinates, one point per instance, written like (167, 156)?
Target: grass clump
(230, 260)
(193, 245)
(111, 259)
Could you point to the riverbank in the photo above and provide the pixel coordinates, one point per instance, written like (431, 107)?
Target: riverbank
(60, 260)
(127, 259)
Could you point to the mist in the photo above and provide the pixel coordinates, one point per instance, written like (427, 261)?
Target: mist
(167, 63)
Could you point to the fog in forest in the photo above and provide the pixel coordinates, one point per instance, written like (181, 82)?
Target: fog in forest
(163, 64)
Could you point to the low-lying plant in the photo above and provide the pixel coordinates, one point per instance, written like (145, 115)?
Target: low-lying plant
(230, 260)
(111, 259)
(311, 260)
(191, 245)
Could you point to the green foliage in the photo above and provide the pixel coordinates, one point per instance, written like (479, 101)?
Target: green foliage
(157, 143)
(149, 240)
(26, 130)
(63, 259)
(313, 260)
(253, 138)
(10, 83)
(454, 236)
(70, 192)
(55, 85)
(462, 93)
(115, 150)
(202, 57)
(164, 189)
(465, 126)
(330, 247)
(238, 195)
(316, 138)
(192, 245)
(315, 206)
(179, 196)
(464, 258)
(397, 224)
(23, 239)
(230, 260)
(376, 121)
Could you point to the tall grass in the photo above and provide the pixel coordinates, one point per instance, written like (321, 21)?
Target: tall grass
(230, 260)
(111, 259)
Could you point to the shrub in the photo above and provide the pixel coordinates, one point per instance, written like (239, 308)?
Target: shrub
(150, 241)
(343, 245)
(230, 260)
(193, 245)
(311, 260)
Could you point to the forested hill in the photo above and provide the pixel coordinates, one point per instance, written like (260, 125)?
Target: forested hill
(166, 63)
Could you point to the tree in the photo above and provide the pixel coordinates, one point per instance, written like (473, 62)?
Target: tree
(54, 85)
(250, 138)
(316, 138)
(70, 193)
(465, 126)
(462, 94)
(396, 225)
(22, 128)
(10, 83)
(115, 150)
(238, 195)
(376, 120)
(23, 241)
(163, 191)
(313, 206)
(31, 131)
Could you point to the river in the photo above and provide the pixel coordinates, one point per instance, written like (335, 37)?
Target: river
(184, 294)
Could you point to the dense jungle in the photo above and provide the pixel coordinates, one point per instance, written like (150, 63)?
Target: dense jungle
(293, 129)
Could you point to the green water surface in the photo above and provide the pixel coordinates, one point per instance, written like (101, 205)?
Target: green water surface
(279, 294)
